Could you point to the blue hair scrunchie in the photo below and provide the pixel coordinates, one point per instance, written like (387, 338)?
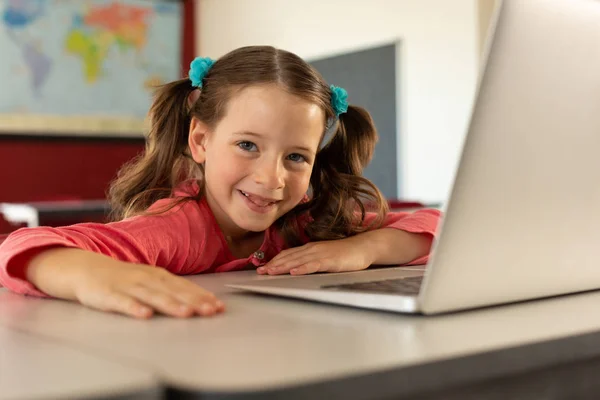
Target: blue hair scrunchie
(198, 70)
(339, 100)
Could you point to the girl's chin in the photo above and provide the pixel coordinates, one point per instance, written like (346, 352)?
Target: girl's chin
(255, 226)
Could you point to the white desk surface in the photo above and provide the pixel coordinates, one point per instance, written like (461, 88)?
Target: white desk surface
(266, 343)
(36, 368)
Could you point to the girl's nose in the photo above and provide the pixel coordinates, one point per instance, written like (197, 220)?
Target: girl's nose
(270, 175)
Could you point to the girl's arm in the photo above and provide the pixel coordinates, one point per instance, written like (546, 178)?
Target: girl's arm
(110, 266)
(106, 284)
(404, 238)
(389, 246)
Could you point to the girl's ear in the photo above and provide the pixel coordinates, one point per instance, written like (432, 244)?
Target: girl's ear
(197, 140)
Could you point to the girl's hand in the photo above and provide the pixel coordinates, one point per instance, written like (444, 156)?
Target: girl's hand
(327, 256)
(103, 283)
(140, 290)
(380, 246)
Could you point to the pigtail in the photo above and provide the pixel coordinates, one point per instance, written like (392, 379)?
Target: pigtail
(341, 196)
(154, 173)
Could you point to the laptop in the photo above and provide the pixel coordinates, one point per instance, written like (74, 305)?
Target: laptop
(523, 218)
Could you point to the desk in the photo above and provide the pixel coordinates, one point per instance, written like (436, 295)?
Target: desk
(267, 347)
(36, 368)
(34, 214)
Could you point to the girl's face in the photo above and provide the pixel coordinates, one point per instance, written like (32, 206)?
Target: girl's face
(259, 158)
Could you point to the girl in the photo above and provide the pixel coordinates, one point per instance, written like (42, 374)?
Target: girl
(254, 161)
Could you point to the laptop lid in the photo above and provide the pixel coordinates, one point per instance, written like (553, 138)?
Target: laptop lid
(523, 219)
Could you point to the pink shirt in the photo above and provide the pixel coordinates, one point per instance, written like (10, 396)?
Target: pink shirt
(184, 240)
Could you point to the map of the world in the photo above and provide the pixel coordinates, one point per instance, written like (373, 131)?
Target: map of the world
(90, 59)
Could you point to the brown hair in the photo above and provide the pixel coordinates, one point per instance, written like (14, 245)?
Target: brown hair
(340, 194)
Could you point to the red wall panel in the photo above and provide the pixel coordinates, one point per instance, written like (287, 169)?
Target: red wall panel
(33, 170)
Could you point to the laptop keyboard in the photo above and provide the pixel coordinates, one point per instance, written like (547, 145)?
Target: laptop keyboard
(410, 286)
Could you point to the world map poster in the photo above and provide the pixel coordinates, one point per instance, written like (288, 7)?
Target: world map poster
(85, 66)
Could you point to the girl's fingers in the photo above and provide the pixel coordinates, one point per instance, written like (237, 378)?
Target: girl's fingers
(288, 266)
(142, 290)
(288, 253)
(308, 268)
(278, 269)
(202, 301)
(160, 301)
(122, 304)
(199, 300)
(285, 263)
(283, 269)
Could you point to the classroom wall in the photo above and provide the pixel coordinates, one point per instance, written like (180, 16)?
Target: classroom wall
(437, 64)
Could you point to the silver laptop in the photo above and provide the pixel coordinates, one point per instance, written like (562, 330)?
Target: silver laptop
(523, 218)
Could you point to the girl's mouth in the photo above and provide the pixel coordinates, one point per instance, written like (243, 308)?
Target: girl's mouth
(258, 203)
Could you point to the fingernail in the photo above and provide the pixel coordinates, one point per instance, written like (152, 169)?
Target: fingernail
(184, 309)
(220, 304)
(141, 310)
(293, 271)
(207, 308)
(260, 270)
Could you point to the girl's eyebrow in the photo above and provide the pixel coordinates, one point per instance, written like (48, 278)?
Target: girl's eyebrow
(247, 133)
(258, 135)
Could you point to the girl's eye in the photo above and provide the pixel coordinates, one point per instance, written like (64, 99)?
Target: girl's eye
(296, 157)
(247, 146)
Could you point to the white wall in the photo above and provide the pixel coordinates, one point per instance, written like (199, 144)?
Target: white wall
(437, 65)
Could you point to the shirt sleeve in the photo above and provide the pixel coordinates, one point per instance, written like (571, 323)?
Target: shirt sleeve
(163, 240)
(423, 221)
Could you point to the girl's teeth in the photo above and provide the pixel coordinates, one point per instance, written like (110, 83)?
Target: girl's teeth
(260, 204)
